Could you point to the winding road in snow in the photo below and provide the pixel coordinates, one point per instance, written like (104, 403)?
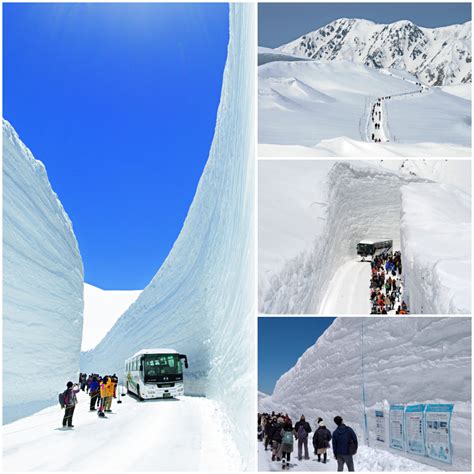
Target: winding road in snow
(377, 129)
(153, 435)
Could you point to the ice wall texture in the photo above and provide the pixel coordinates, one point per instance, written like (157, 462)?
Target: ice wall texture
(405, 360)
(363, 201)
(436, 241)
(42, 285)
(201, 300)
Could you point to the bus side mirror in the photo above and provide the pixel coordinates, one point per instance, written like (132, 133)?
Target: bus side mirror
(141, 366)
(186, 364)
(182, 356)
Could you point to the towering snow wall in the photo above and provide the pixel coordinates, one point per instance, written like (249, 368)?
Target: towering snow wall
(42, 285)
(415, 360)
(201, 300)
(436, 248)
(363, 201)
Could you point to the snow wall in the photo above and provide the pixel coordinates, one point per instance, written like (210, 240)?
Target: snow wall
(416, 360)
(436, 243)
(201, 300)
(42, 285)
(363, 201)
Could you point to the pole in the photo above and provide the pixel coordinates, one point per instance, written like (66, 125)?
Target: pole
(366, 426)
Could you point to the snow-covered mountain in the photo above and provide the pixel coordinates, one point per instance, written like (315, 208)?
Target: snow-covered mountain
(437, 56)
(42, 285)
(201, 301)
(413, 360)
(102, 308)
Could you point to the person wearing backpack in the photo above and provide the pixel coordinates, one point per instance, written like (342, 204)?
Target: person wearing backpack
(321, 439)
(302, 430)
(287, 434)
(344, 445)
(69, 401)
(276, 439)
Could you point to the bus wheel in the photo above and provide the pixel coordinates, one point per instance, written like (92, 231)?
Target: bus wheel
(138, 394)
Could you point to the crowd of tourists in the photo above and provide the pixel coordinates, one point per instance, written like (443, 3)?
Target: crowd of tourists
(278, 435)
(386, 284)
(101, 389)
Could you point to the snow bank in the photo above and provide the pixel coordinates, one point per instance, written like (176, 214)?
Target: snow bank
(361, 201)
(436, 248)
(102, 308)
(412, 360)
(201, 300)
(42, 285)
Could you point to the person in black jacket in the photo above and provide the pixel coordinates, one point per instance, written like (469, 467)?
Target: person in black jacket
(321, 439)
(344, 445)
(276, 439)
(302, 430)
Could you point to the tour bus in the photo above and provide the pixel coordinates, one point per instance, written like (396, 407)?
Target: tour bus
(155, 373)
(373, 248)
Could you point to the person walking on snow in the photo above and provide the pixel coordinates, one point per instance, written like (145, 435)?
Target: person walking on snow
(94, 392)
(344, 445)
(70, 402)
(321, 439)
(287, 433)
(302, 430)
(276, 439)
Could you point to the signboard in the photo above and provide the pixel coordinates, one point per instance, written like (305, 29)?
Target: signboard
(438, 432)
(397, 428)
(380, 426)
(415, 432)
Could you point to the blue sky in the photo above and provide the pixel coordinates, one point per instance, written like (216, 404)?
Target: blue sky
(281, 342)
(119, 101)
(280, 23)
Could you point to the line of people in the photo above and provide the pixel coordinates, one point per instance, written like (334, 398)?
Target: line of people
(376, 117)
(386, 284)
(276, 430)
(101, 390)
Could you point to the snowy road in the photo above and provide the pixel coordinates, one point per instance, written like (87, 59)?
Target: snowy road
(348, 291)
(366, 459)
(154, 435)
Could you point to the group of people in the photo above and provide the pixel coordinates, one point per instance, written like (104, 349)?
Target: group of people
(376, 117)
(277, 432)
(101, 390)
(386, 284)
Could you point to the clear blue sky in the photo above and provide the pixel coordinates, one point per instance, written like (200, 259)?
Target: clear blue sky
(281, 342)
(280, 23)
(119, 101)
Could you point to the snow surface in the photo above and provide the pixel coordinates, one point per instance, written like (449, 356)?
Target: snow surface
(42, 284)
(312, 215)
(321, 108)
(102, 308)
(267, 55)
(367, 459)
(181, 435)
(406, 360)
(436, 241)
(201, 300)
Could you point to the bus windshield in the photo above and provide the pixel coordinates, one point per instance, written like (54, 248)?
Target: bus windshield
(162, 364)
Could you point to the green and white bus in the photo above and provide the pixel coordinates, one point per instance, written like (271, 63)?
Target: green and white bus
(155, 373)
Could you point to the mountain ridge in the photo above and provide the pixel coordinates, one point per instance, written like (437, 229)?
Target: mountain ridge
(437, 56)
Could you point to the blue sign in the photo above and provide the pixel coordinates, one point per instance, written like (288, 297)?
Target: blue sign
(438, 432)
(397, 427)
(415, 429)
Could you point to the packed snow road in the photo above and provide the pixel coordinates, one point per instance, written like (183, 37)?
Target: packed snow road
(154, 435)
(348, 292)
(366, 459)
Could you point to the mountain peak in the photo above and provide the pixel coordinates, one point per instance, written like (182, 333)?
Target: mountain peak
(437, 56)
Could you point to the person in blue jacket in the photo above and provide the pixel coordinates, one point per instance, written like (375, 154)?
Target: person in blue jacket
(344, 445)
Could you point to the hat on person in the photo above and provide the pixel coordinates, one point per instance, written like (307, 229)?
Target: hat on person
(321, 423)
